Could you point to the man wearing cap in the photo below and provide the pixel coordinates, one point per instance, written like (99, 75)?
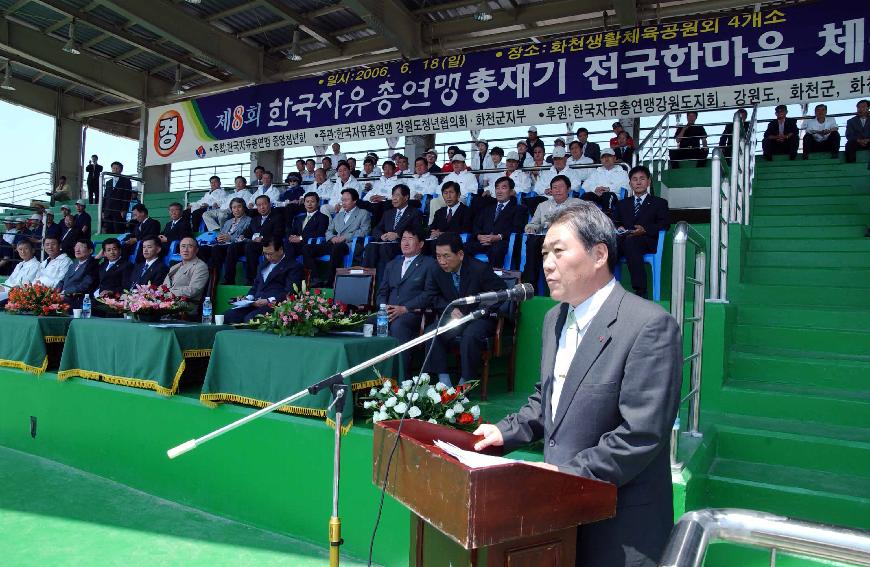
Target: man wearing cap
(533, 141)
(560, 167)
(83, 219)
(604, 185)
(557, 143)
(522, 180)
(588, 149)
(461, 175)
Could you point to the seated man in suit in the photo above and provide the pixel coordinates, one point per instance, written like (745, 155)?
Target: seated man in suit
(608, 393)
(544, 215)
(83, 219)
(691, 143)
(639, 218)
(350, 223)
(494, 224)
(858, 131)
(384, 245)
(460, 275)
(82, 277)
(276, 276)
(114, 271)
(145, 227)
(453, 216)
(310, 224)
(189, 277)
(265, 225)
(403, 288)
(150, 270)
(781, 136)
(69, 235)
(176, 228)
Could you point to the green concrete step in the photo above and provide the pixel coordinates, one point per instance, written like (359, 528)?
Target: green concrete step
(836, 318)
(795, 402)
(851, 343)
(798, 295)
(858, 278)
(798, 221)
(803, 245)
(840, 499)
(857, 187)
(835, 258)
(764, 201)
(820, 211)
(807, 452)
(763, 233)
(788, 366)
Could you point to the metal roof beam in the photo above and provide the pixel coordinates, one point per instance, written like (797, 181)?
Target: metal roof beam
(232, 11)
(30, 45)
(392, 19)
(300, 20)
(194, 35)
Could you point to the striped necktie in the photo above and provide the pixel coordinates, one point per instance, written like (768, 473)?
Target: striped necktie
(498, 210)
(455, 276)
(637, 204)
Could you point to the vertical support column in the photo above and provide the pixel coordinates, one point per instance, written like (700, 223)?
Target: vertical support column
(155, 178)
(67, 160)
(272, 160)
(415, 146)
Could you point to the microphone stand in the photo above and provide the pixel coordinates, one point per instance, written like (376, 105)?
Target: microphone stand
(340, 392)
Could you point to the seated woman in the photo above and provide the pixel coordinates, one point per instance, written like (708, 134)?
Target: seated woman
(230, 233)
(25, 271)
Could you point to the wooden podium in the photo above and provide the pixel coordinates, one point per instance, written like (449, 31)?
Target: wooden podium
(512, 515)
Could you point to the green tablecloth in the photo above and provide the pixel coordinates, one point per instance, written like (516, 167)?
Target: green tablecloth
(258, 369)
(23, 339)
(130, 353)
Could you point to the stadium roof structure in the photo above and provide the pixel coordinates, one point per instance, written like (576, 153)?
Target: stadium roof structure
(100, 61)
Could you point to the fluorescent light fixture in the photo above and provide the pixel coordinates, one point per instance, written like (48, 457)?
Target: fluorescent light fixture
(70, 46)
(483, 13)
(293, 54)
(7, 78)
(177, 89)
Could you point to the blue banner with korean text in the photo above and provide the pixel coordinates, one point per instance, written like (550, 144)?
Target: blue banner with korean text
(784, 54)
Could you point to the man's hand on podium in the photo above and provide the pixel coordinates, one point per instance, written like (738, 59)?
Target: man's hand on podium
(542, 465)
(491, 436)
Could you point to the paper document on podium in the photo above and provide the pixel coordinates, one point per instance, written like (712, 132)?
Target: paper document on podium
(471, 459)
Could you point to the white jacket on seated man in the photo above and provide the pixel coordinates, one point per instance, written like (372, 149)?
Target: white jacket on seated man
(25, 271)
(333, 194)
(608, 175)
(560, 167)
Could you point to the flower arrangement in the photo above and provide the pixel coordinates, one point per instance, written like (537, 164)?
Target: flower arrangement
(149, 300)
(306, 313)
(418, 399)
(36, 298)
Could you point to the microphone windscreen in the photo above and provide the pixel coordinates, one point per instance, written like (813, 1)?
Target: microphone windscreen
(524, 291)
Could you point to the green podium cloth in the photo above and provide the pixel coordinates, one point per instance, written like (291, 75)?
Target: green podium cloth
(257, 369)
(23, 339)
(130, 353)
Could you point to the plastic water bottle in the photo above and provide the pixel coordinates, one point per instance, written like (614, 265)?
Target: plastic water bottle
(86, 307)
(206, 311)
(383, 321)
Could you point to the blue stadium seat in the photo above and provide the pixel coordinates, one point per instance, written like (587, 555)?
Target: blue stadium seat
(172, 255)
(509, 255)
(655, 261)
(135, 251)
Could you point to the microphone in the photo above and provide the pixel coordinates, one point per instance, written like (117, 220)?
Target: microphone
(519, 292)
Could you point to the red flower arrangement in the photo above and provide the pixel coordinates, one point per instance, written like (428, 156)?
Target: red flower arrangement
(37, 299)
(306, 313)
(147, 299)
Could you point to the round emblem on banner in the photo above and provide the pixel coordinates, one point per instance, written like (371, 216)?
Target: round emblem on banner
(200, 152)
(168, 133)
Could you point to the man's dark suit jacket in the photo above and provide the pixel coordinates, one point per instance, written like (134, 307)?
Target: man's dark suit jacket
(593, 151)
(790, 127)
(79, 280)
(613, 422)
(155, 274)
(68, 239)
(474, 277)
(854, 130)
(624, 153)
(315, 228)
(117, 197)
(273, 227)
(149, 227)
(280, 282)
(83, 223)
(115, 280)
(54, 230)
(177, 232)
(725, 141)
(459, 222)
(653, 215)
(411, 217)
(513, 218)
(411, 290)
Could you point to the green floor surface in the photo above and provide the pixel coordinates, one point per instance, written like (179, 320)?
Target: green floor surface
(52, 514)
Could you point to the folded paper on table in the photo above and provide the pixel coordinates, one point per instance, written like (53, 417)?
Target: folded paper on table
(472, 459)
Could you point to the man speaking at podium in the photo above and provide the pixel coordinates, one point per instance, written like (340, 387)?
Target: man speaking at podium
(609, 391)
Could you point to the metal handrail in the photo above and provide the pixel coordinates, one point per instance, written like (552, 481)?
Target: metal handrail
(684, 234)
(696, 530)
(720, 196)
(23, 188)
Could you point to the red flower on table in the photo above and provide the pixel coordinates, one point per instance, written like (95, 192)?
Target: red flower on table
(465, 419)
